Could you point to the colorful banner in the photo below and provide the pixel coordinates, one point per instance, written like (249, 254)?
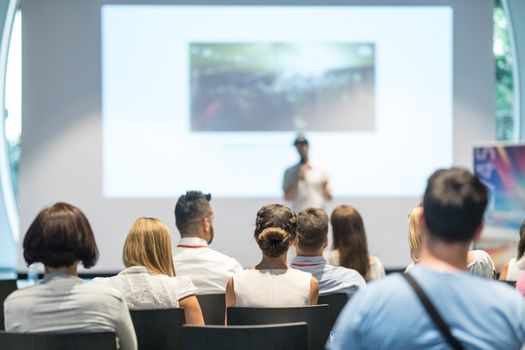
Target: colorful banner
(502, 169)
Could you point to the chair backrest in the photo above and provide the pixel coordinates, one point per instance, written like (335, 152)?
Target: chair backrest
(287, 336)
(6, 287)
(510, 283)
(335, 303)
(158, 329)
(213, 308)
(316, 317)
(54, 341)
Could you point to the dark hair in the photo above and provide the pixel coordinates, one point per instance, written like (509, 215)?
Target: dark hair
(349, 236)
(59, 236)
(275, 229)
(453, 204)
(190, 210)
(312, 228)
(521, 244)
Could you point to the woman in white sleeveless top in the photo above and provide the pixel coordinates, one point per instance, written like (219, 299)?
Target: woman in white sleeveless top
(512, 270)
(272, 283)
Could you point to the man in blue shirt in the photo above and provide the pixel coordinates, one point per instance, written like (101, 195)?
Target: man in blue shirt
(312, 239)
(480, 313)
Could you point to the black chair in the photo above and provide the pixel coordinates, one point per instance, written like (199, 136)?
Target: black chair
(54, 341)
(158, 329)
(510, 283)
(287, 336)
(213, 308)
(316, 317)
(335, 303)
(6, 287)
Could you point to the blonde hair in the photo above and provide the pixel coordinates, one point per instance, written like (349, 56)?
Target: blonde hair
(148, 244)
(414, 233)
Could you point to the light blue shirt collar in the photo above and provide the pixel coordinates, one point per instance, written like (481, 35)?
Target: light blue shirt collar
(309, 260)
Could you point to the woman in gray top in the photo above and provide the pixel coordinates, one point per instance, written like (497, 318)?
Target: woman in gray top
(61, 237)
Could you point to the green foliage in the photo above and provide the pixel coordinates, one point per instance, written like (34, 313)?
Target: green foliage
(504, 78)
(14, 161)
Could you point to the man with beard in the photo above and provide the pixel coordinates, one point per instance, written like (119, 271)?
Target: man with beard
(208, 269)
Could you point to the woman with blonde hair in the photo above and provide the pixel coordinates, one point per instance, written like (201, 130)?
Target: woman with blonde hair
(414, 235)
(148, 281)
(350, 248)
(272, 283)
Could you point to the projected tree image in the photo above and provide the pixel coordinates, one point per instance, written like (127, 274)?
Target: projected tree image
(282, 86)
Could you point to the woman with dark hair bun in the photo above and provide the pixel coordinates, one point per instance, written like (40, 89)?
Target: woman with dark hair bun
(60, 237)
(272, 283)
(350, 248)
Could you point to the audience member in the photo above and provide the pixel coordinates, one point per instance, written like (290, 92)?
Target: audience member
(480, 314)
(60, 237)
(148, 281)
(312, 239)
(349, 244)
(208, 269)
(414, 235)
(272, 283)
(481, 264)
(478, 261)
(512, 270)
(520, 284)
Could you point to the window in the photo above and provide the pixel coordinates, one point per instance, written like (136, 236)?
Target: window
(506, 126)
(13, 100)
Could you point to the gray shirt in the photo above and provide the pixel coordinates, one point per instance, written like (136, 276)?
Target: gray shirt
(62, 303)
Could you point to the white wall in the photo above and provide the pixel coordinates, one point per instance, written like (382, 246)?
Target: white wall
(61, 139)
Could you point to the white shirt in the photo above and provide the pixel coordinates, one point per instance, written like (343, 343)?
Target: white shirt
(516, 267)
(332, 279)
(208, 269)
(310, 192)
(144, 290)
(272, 288)
(62, 303)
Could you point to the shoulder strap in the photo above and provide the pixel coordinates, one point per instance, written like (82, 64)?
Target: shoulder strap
(433, 313)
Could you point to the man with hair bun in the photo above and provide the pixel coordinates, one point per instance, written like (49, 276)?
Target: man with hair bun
(470, 312)
(272, 283)
(208, 269)
(312, 239)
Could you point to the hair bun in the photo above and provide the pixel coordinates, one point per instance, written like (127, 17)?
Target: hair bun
(274, 241)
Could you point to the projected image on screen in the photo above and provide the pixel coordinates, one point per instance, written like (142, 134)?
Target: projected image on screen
(216, 108)
(282, 86)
